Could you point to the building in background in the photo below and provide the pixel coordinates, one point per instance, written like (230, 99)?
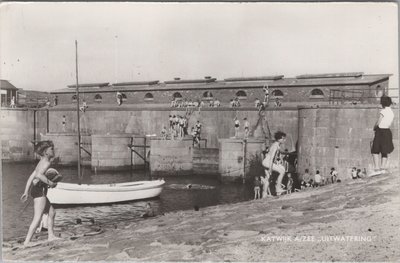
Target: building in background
(8, 91)
(338, 88)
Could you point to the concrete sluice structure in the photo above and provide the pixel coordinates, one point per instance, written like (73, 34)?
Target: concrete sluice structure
(326, 136)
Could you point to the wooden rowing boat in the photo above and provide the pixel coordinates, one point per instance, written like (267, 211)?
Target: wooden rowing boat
(73, 194)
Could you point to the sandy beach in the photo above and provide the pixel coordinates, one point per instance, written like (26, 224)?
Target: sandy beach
(356, 220)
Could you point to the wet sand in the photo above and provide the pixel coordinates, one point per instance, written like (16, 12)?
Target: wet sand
(349, 221)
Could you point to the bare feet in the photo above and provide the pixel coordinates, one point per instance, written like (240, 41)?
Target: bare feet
(53, 238)
(27, 244)
(30, 244)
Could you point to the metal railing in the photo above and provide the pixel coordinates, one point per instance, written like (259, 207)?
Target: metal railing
(358, 96)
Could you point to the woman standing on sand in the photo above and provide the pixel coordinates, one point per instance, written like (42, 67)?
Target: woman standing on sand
(383, 140)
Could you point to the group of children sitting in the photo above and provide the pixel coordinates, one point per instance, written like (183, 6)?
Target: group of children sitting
(234, 103)
(320, 180)
(185, 103)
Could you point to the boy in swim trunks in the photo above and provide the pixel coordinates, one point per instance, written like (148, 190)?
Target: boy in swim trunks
(41, 203)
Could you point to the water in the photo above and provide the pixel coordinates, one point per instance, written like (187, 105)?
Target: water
(175, 196)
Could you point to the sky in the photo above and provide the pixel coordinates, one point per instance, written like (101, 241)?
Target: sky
(119, 42)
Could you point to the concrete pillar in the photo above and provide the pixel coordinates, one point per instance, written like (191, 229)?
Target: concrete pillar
(111, 152)
(340, 137)
(171, 157)
(237, 157)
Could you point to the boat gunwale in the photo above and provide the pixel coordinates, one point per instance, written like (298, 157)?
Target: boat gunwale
(108, 187)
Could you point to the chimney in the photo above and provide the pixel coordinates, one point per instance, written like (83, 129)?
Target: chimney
(177, 78)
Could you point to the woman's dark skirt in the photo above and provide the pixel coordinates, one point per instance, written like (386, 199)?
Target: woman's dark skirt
(383, 142)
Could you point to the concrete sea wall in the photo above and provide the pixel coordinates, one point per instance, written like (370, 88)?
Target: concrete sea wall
(236, 157)
(216, 123)
(171, 157)
(340, 138)
(327, 136)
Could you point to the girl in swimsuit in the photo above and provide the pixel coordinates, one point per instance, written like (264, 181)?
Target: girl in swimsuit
(39, 183)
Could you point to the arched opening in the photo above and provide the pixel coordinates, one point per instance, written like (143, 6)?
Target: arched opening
(277, 93)
(148, 96)
(123, 97)
(207, 94)
(241, 94)
(98, 98)
(177, 95)
(317, 92)
(74, 98)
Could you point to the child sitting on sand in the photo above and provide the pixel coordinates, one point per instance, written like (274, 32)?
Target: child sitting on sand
(354, 173)
(333, 175)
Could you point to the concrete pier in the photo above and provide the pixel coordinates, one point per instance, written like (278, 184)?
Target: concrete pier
(171, 157)
(111, 152)
(237, 156)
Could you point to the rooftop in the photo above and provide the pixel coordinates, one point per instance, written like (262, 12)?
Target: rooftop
(6, 85)
(331, 79)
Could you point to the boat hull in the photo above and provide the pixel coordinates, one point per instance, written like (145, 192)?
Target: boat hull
(71, 194)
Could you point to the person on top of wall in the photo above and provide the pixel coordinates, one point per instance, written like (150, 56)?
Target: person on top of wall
(246, 128)
(237, 125)
(383, 140)
(272, 161)
(278, 103)
(12, 103)
(164, 133)
(257, 103)
(119, 98)
(84, 106)
(37, 185)
(47, 102)
(64, 123)
(266, 95)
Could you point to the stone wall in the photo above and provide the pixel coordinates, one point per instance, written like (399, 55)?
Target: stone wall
(205, 161)
(16, 133)
(340, 137)
(236, 157)
(111, 152)
(330, 136)
(216, 123)
(171, 157)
